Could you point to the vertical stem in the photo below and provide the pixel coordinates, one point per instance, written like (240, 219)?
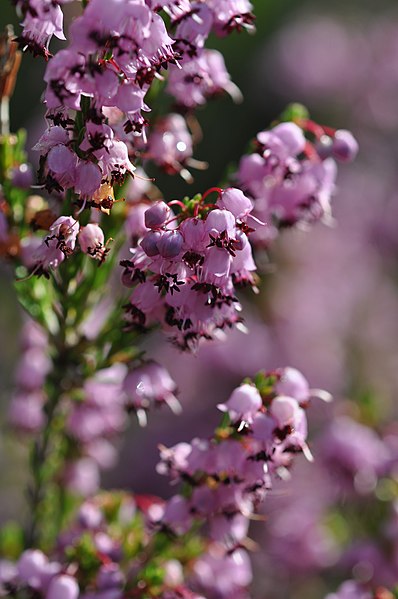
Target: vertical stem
(45, 444)
(40, 453)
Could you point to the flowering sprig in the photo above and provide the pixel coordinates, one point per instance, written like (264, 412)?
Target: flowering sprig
(81, 372)
(142, 546)
(291, 173)
(186, 267)
(226, 478)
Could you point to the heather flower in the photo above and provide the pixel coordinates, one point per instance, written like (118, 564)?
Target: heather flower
(344, 146)
(63, 80)
(231, 14)
(88, 177)
(92, 241)
(170, 144)
(54, 136)
(177, 516)
(350, 590)
(193, 30)
(63, 587)
(82, 477)
(63, 234)
(293, 384)
(200, 78)
(32, 369)
(44, 258)
(32, 568)
(22, 176)
(61, 164)
(243, 404)
(193, 267)
(147, 386)
(354, 454)
(42, 20)
(235, 201)
(285, 411)
(26, 411)
(114, 161)
(221, 575)
(290, 180)
(156, 215)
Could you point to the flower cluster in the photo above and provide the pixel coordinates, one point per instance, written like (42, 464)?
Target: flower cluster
(229, 475)
(184, 275)
(201, 73)
(290, 178)
(95, 101)
(225, 479)
(115, 53)
(91, 556)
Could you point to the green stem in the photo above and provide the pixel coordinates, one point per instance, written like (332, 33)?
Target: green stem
(45, 446)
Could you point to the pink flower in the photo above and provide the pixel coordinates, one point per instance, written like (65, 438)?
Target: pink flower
(63, 587)
(243, 404)
(87, 179)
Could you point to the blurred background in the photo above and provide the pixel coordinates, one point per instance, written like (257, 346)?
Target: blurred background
(328, 302)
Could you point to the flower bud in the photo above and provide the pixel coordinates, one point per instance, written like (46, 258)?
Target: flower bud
(170, 244)
(345, 146)
(150, 243)
(157, 215)
(324, 147)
